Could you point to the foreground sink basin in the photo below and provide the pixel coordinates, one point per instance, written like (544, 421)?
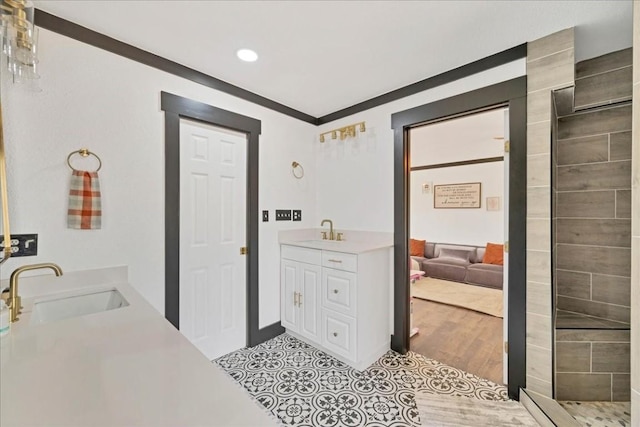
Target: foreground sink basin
(65, 307)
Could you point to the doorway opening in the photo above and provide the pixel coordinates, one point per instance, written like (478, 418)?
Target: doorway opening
(457, 211)
(510, 94)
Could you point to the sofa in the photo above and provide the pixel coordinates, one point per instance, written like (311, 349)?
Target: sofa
(459, 263)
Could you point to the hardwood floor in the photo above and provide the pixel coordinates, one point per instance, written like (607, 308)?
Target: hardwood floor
(462, 338)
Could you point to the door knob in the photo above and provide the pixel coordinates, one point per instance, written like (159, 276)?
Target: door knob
(335, 334)
(335, 291)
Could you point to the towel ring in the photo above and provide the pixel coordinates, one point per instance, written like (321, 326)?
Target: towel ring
(84, 152)
(294, 167)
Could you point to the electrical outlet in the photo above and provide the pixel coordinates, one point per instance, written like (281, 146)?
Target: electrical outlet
(265, 216)
(297, 215)
(23, 245)
(283, 214)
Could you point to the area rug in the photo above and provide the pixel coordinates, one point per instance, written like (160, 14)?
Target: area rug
(442, 411)
(484, 300)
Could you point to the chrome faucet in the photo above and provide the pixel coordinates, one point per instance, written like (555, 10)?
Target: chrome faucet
(14, 301)
(331, 236)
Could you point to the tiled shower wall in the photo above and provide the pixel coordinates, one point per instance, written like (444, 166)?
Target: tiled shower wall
(550, 66)
(592, 365)
(635, 224)
(594, 192)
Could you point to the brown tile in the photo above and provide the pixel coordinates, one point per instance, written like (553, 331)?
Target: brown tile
(538, 138)
(583, 386)
(583, 150)
(623, 203)
(539, 107)
(635, 197)
(603, 63)
(539, 266)
(539, 202)
(539, 234)
(573, 357)
(596, 176)
(611, 289)
(635, 302)
(621, 387)
(620, 146)
(563, 99)
(538, 170)
(552, 43)
(539, 331)
(598, 232)
(614, 335)
(586, 204)
(550, 71)
(612, 261)
(615, 119)
(539, 362)
(592, 308)
(573, 284)
(611, 357)
(601, 89)
(539, 386)
(539, 298)
(571, 320)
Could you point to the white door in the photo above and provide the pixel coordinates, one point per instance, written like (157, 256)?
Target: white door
(309, 301)
(505, 271)
(289, 272)
(212, 232)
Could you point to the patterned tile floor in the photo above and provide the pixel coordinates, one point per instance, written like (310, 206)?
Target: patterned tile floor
(303, 386)
(600, 414)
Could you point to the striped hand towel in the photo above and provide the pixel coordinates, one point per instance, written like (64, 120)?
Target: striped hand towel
(85, 207)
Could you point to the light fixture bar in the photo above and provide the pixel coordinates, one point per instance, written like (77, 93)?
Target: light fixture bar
(345, 131)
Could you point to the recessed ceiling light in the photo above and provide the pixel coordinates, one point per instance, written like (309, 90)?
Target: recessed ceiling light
(247, 55)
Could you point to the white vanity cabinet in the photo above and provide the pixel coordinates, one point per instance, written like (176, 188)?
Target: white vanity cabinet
(337, 301)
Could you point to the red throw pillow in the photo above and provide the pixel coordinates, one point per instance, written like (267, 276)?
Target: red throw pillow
(416, 247)
(493, 254)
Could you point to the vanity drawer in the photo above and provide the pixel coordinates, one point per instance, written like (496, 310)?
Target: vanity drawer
(339, 291)
(340, 261)
(339, 333)
(296, 253)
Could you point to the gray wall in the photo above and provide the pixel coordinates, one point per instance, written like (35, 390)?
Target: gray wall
(635, 226)
(594, 193)
(550, 66)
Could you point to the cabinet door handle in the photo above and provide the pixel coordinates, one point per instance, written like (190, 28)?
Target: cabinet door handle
(299, 299)
(295, 298)
(335, 291)
(335, 260)
(335, 334)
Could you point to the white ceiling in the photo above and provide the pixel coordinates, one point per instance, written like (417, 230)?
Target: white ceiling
(475, 136)
(321, 56)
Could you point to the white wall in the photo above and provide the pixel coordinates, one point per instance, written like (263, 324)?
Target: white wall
(462, 226)
(95, 99)
(355, 176)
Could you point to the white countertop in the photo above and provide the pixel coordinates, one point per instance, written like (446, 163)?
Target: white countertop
(355, 242)
(123, 367)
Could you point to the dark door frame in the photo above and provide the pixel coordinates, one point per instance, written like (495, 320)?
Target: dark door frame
(175, 108)
(512, 93)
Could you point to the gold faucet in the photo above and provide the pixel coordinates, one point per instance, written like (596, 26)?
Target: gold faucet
(331, 236)
(14, 301)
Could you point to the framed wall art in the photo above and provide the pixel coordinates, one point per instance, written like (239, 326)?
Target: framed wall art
(457, 196)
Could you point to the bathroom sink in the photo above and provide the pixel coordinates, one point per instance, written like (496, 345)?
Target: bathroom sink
(75, 305)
